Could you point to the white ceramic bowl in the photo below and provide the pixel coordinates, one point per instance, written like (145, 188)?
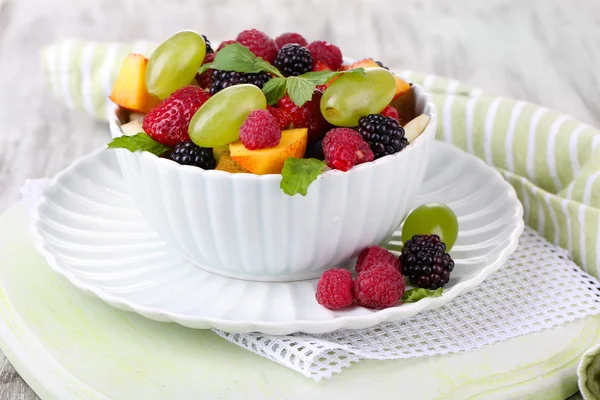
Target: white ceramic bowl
(244, 226)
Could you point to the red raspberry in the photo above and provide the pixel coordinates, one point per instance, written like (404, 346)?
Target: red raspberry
(308, 116)
(283, 118)
(258, 43)
(168, 122)
(225, 43)
(320, 66)
(260, 131)
(391, 112)
(205, 78)
(379, 287)
(374, 256)
(327, 53)
(334, 289)
(344, 148)
(290, 37)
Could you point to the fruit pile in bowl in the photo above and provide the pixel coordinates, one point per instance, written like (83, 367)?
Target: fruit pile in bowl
(221, 141)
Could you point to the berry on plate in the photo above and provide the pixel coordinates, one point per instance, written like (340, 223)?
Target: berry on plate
(384, 134)
(290, 38)
(187, 153)
(308, 116)
(260, 130)
(168, 122)
(259, 44)
(344, 148)
(425, 261)
(379, 287)
(293, 60)
(327, 53)
(334, 289)
(374, 256)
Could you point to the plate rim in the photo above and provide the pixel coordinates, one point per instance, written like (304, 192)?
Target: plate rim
(287, 327)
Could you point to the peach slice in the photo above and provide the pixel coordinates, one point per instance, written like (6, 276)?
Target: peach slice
(270, 161)
(228, 165)
(129, 90)
(402, 86)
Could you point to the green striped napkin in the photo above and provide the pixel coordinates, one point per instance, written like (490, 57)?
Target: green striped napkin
(551, 159)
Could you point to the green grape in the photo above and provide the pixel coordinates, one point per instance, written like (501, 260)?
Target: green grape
(174, 63)
(352, 96)
(432, 218)
(218, 121)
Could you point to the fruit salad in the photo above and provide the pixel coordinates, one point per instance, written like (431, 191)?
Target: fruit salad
(261, 106)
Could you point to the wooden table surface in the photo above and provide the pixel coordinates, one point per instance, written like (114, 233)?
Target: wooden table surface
(543, 51)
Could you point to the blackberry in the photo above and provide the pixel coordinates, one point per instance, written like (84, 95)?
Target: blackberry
(425, 261)
(188, 153)
(293, 60)
(224, 79)
(315, 150)
(209, 49)
(384, 134)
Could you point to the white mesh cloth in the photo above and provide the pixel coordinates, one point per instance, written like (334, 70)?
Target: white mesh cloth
(538, 288)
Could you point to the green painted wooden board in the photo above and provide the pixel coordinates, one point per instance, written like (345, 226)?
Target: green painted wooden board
(68, 345)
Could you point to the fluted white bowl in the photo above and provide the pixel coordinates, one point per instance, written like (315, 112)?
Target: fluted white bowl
(244, 226)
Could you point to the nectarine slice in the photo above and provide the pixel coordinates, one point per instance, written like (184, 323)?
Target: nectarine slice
(129, 90)
(270, 161)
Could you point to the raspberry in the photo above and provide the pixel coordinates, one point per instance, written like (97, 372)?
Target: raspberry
(290, 37)
(384, 134)
(293, 60)
(334, 289)
(209, 49)
(188, 153)
(379, 287)
(260, 131)
(224, 79)
(391, 112)
(205, 79)
(308, 116)
(168, 122)
(258, 43)
(327, 53)
(374, 256)
(225, 43)
(283, 118)
(425, 261)
(344, 148)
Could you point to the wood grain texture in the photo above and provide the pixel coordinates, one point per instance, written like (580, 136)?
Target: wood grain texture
(543, 51)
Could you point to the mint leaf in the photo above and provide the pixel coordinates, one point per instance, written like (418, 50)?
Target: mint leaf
(322, 77)
(238, 58)
(274, 89)
(138, 142)
(300, 90)
(299, 173)
(416, 294)
(301, 87)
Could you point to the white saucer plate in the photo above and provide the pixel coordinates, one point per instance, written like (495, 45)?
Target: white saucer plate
(88, 228)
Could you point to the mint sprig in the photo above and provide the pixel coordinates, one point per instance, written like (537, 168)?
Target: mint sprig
(301, 88)
(299, 173)
(416, 294)
(238, 58)
(139, 142)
